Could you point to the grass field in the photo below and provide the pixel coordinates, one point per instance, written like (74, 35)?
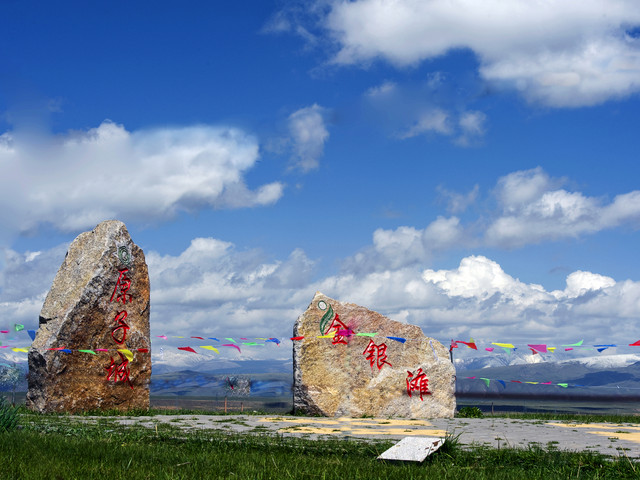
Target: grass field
(61, 447)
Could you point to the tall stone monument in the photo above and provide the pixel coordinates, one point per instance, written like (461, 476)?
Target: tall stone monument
(351, 361)
(92, 348)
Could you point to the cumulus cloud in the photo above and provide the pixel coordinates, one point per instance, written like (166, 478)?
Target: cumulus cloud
(534, 209)
(558, 53)
(308, 135)
(480, 291)
(403, 246)
(76, 180)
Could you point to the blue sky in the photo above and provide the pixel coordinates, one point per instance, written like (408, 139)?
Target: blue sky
(467, 167)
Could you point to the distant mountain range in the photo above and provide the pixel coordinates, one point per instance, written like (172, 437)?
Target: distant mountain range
(607, 376)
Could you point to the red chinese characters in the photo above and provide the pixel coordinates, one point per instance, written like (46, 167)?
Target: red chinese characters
(119, 372)
(122, 287)
(120, 325)
(341, 331)
(376, 354)
(418, 382)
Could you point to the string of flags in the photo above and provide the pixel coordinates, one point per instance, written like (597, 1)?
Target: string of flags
(535, 348)
(540, 348)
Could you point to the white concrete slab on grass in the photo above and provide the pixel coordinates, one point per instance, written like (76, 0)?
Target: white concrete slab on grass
(413, 449)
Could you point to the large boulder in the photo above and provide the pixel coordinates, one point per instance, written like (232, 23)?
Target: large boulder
(92, 348)
(341, 369)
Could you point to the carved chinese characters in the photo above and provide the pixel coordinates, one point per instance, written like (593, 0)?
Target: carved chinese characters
(352, 361)
(92, 347)
(119, 371)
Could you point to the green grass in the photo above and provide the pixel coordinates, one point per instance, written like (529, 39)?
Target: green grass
(60, 447)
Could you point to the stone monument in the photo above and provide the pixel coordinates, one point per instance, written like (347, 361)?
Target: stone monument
(92, 348)
(351, 361)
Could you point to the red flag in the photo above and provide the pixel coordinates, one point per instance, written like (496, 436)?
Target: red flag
(188, 349)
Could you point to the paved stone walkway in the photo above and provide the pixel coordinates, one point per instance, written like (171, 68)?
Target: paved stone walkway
(607, 438)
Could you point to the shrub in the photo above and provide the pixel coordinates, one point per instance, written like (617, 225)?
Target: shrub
(470, 412)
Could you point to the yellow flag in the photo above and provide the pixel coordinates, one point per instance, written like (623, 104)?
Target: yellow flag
(127, 353)
(504, 345)
(16, 349)
(209, 347)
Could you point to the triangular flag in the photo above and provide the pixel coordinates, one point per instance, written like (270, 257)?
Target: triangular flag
(209, 347)
(88, 351)
(199, 338)
(635, 344)
(573, 344)
(297, 338)
(503, 345)
(503, 383)
(398, 339)
(563, 385)
(361, 334)
(485, 380)
(187, 349)
(489, 349)
(18, 327)
(32, 334)
(274, 340)
(231, 340)
(16, 349)
(231, 345)
(539, 348)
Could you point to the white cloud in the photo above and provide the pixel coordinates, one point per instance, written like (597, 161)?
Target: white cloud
(215, 289)
(579, 283)
(560, 53)
(459, 202)
(385, 88)
(394, 249)
(435, 120)
(309, 134)
(467, 127)
(76, 180)
(472, 127)
(534, 209)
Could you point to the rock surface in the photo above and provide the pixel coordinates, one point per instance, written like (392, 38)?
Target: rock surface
(99, 303)
(348, 373)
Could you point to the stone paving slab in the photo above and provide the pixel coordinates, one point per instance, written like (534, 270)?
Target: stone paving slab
(608, 438)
